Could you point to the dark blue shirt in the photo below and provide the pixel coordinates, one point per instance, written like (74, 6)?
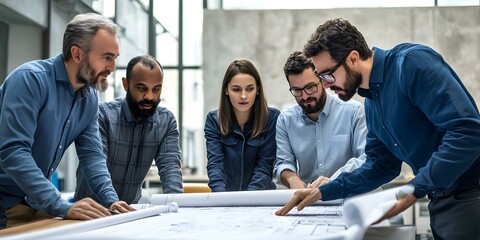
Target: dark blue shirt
(40, 116)
(419, 112)
(237, 162)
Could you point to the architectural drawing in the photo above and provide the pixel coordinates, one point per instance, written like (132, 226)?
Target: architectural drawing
(349, 221)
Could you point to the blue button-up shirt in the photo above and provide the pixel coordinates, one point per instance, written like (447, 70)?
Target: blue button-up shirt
(418, 112)
(321, 148)
(40, 116)
(132, 146)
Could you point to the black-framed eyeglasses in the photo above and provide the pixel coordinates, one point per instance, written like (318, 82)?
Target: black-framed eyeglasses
(309, 89)
(328, 76)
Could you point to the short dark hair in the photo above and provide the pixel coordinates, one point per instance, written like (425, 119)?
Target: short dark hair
(296, 63)
(146, 60)
(339, 38)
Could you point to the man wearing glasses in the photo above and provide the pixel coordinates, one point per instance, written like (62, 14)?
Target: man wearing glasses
(321, 136)
(418, 112)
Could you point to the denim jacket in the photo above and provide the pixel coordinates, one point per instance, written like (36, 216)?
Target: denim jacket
(238, 162)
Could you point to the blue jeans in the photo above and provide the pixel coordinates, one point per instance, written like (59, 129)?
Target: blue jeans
(3, 215)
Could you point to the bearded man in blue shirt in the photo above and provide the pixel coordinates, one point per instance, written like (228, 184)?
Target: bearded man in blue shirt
(46, 105)
(336, 127)
(418, 112)
(135, 131)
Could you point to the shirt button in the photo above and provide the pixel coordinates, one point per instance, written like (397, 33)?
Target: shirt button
(320, 164)
(60, 147)
(395, 145)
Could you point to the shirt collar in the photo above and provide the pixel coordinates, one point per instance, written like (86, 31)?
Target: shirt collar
(364, 92)
(81, 93)
(376, 74)
(328, 105)
(61, 75)
(60, 69)
(378, 67)
(127, 112)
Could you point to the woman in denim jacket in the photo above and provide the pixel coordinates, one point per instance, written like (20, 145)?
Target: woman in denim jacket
(240, 135)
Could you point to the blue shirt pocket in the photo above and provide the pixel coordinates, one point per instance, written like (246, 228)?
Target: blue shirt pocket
(339, 151)
(339, 138)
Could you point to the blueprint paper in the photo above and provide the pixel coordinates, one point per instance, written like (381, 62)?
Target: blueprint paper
(347, 222)
(319, 222)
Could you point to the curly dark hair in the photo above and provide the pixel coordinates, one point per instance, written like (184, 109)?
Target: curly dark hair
(339, 38)
(296, 63)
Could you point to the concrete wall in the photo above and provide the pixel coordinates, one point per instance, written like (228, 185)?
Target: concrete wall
(26, 11)
(26, 22)
(268, 37)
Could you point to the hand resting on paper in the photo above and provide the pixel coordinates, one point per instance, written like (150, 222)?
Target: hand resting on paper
(87, 209)
(301, 198)
(121, 207)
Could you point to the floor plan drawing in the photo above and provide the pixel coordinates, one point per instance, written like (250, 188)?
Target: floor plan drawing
(349, 221)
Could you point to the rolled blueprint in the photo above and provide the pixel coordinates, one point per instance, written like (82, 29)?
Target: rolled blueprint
(90, 225)
(232, 199)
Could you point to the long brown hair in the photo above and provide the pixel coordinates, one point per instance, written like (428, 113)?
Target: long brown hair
(259, 112)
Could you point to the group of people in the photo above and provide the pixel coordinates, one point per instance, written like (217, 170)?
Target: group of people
(249, 144)
(416, 111)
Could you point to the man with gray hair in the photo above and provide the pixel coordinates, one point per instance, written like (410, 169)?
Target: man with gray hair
(46, 105)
